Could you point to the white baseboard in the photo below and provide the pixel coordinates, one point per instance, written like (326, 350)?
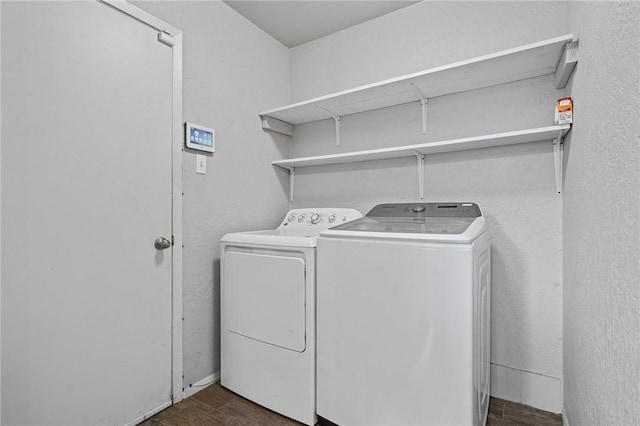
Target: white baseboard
(536, 390)
(200, 385)
(149, 414)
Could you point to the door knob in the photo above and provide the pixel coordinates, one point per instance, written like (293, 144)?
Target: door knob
(162, 243)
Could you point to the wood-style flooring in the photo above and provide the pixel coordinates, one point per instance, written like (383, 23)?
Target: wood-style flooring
(217, 406)
(502, 413)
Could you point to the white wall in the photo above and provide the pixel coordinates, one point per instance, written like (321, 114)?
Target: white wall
(514, 185)
(232, 70)
(601, 229)
(0, 215)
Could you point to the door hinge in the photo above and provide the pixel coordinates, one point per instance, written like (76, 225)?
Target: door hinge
(172, 240)
(166, 38)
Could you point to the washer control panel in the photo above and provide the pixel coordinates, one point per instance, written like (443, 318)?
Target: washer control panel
(317, 219)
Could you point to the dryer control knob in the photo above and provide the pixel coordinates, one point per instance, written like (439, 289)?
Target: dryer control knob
(300, 218)
(315, 218)
(291, 218)
(332, 218)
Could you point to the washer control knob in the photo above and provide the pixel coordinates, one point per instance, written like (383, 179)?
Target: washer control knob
(332, 218)
(300, 218)
(418, 209)
(315, 218)
(291, 218)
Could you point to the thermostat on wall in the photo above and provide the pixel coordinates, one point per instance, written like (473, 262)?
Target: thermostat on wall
(199, 137)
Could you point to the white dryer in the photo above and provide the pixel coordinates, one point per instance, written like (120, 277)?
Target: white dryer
(267, 325)
(403, 331)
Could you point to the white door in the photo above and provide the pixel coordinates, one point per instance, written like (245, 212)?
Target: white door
(86, 189)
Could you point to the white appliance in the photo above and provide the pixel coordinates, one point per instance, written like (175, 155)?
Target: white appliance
(403, 311)
(268, 289)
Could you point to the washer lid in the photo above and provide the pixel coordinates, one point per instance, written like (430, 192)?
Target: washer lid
(409, 225)
(274, 237)
(447, 222)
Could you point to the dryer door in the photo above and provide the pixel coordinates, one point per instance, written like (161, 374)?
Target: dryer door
(264, 297)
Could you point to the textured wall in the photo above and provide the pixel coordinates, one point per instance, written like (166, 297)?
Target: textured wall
(416, 38)
(231, 71)
(602, 219)
(514, 185)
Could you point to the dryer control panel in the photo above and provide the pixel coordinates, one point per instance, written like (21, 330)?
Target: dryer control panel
(317, 219)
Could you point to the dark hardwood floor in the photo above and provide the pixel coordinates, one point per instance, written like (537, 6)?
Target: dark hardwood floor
(502, 413)
(216, 406)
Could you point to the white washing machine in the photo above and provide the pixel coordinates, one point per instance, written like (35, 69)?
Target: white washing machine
(267, 325)
(403, 333)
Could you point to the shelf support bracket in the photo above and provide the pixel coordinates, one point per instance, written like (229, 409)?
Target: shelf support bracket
(420, 157)
(424, 102)
(558, 159)
(336, 118)
(292, 176)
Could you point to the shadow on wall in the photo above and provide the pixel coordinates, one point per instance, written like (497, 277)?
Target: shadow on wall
(508, 297)
(282, 144)
(567, 140)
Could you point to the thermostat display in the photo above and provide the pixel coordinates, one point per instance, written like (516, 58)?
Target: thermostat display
(200, 138)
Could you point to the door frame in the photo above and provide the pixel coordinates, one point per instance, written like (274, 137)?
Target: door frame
(176, 178)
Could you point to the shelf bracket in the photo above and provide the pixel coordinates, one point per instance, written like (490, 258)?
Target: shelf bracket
(558, 159)
(424, 102)
(292, 175)
(336, 118)
(420, 157)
